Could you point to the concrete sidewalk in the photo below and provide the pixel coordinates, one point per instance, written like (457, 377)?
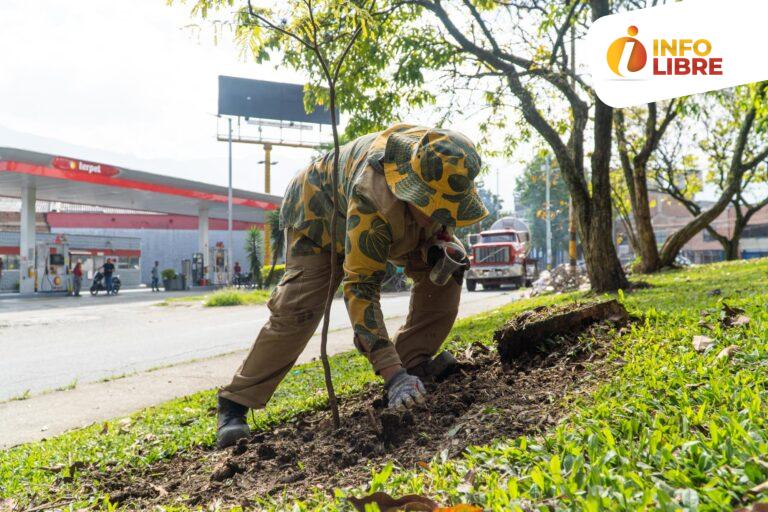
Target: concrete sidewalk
(50, 414)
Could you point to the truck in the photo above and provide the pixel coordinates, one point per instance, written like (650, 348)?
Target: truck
(498, 256)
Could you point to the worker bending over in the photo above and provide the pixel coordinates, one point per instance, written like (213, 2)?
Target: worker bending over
(401, 192)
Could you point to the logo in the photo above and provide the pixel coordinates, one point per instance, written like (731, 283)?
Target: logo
(671, 57)
(627, 52)
(82, 167)
(639, 56)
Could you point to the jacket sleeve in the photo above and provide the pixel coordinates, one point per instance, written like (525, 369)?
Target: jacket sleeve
(367, 244)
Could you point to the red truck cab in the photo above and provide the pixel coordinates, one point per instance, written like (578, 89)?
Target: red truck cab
(498, 257)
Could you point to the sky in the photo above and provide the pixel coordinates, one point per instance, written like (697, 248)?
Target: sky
(133, 84)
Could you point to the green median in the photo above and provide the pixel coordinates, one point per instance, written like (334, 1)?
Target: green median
(674, 429)
(223, 297)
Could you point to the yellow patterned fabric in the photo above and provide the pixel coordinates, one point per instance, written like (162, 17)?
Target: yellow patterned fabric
(373, 224)
(436, 173)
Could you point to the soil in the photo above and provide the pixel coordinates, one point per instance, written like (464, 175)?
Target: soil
(483, 400)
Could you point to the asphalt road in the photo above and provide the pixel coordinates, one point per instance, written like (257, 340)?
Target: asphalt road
(50, 343)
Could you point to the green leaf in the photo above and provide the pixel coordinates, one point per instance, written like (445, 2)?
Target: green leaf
(375, 242)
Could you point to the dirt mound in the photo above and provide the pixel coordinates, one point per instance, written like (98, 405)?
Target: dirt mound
(528, 330)
(484, 400)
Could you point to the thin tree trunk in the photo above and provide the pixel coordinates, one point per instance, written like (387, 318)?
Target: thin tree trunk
(646, 237)
(332, 401)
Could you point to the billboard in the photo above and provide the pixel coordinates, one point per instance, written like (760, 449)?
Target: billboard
(261, 99)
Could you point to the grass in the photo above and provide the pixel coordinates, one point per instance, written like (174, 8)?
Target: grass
(68, 387)
(223, 297)
(236, 297)
(673, 430)
(22, 396)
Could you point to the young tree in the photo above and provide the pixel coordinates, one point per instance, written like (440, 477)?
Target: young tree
(254, 248)
(736, 151)
(277, 240)
(735, 121)
(315, 36)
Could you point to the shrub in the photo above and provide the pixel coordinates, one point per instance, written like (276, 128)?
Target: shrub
(225, 297)
(236, 297)
(168, 274)
(279, 271)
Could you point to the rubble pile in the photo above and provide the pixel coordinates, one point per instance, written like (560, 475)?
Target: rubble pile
(560, 280)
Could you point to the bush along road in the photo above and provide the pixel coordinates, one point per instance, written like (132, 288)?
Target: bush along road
(664, 413)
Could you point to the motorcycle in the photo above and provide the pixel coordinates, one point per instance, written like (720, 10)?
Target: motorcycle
(99, 285)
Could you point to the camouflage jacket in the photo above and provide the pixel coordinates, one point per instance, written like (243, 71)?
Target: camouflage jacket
(373, 227)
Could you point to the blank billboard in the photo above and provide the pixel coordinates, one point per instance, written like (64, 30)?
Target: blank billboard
(260, 99)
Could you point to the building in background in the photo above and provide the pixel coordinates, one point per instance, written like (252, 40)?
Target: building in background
(668, 216)
(166, 238)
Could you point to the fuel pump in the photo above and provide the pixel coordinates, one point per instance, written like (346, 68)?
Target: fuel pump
(219, 266)
(53, 265)
(198, 272)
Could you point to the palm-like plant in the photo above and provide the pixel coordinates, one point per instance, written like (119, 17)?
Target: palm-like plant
(277, 240)
(254, 248)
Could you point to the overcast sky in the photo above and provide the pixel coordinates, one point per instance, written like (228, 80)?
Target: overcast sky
(129, 81)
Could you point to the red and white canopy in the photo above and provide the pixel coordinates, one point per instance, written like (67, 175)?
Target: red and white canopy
(69, 180)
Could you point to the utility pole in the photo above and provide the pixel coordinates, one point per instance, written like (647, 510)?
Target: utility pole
(549, 215)
(229, 205)
(267, 227)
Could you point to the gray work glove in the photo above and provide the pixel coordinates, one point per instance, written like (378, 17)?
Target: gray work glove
(404, 390)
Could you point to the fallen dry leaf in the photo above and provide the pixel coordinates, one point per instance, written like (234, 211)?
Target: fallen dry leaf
(410, 502)
(7, 505)
(759, 488)
(727, 352)
(740, 321)
(386, 503)
(702, 343)
(160, 490)
(733, 317)
(755, 507)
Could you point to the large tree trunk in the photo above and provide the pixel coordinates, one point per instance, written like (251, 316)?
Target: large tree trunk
(603, 266)
(731, 248)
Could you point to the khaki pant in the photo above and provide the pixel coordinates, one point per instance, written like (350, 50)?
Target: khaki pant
(296, 309)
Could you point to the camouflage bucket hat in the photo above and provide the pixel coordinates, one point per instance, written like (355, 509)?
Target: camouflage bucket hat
(436, 174)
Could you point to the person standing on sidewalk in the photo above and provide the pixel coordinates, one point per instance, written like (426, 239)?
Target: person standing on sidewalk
(399, 191)
(108, 268)
(77, 279)
(156, 277)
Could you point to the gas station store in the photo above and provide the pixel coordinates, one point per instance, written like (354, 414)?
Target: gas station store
(134, 217)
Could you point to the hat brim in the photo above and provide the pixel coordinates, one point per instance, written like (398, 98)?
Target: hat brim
(457, 210)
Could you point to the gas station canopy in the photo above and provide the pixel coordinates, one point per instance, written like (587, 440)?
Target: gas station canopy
(69, 180)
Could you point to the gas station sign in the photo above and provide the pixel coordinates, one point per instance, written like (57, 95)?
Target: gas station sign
(81, 166)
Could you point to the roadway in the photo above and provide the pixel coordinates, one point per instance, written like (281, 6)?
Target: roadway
(57, 342)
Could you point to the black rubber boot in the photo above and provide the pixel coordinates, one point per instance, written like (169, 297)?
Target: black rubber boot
(437, 368)
(232, 423)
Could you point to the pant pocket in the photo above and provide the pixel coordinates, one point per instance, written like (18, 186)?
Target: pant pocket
(287, 293)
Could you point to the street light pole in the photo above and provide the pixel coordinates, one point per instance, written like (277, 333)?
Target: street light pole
(267, 179)
(229, 204)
